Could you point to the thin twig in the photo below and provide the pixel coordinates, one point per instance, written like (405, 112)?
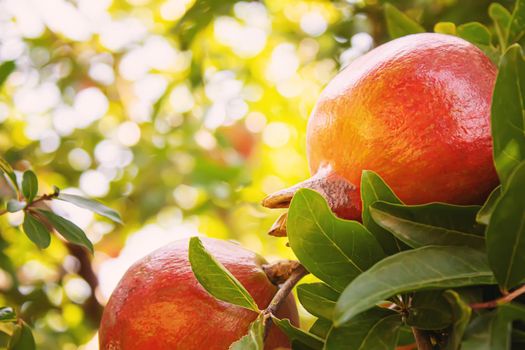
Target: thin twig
(282, 293)
(44, 197)
(422, 339)
(503, 300)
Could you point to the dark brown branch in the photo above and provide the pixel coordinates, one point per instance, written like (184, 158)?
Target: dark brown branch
(503, 300)
(422, 339)
(298, 272)
(91, 306)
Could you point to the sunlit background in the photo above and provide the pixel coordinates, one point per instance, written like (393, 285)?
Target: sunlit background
(180, 115)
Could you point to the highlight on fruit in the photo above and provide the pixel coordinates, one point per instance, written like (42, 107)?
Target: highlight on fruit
(148, 147)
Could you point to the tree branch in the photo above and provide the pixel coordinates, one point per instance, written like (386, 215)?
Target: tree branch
(298, 272)
(503, 300)
(422, 339)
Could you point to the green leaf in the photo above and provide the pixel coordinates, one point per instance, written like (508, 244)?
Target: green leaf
(445, 28)
(318, 299)
(506, 232)
(373, 189)
(430, 311)
(333, 249)
(406, 337)
(321, 327)
(484, 214)
(6, 68)
(198, 17)
(374, 329)
(475, 33)
(68, 230)
(399, 24)
(7, 314)
(254, 340)
(8, 170)
(29, 185)
(36, 231)
(296, 334)
(492, 331)
(423, 268)
(461, 316)
(430, 224)
(516, 26)
(216, 279)
(92, 205)
(501, 18)
(512, 311)
(487, 332)
(22, 339)
(13, 205)
(507, 115)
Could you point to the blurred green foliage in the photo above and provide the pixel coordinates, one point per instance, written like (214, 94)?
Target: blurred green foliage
(181, 115)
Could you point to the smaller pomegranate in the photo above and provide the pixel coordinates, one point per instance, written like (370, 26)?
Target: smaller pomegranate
(160, 305)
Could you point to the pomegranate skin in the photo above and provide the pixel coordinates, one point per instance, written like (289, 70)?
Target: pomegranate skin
(160, 305)
(416, 111)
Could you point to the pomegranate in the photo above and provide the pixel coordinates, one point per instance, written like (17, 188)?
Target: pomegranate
(159, 304)
(415, 110)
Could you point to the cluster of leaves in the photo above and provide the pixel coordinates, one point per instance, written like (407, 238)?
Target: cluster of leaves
(452, 275)
(39, 222)
(38, 219)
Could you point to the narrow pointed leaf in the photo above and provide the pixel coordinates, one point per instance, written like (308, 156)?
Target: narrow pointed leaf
(501, 18)
(507, 114)
(332, 249)
(68, 229)
(216, 279)
(399, 24)
(29, 185)
(484, 214)
(376, 329)
(254, 339)
(506, 232)
(297, 334)
(430, 224)
(516, 26)
(8, 170)
(374, 189)
(423, 268)
(92, 205)
(36, 231)
(318, 299)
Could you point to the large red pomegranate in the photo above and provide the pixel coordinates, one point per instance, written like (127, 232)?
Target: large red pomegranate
(159, 305)
(416, 110)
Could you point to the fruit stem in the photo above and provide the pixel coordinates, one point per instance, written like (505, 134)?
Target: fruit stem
(503, 300)
(298, 272)
(333, 187)
(423, 341)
